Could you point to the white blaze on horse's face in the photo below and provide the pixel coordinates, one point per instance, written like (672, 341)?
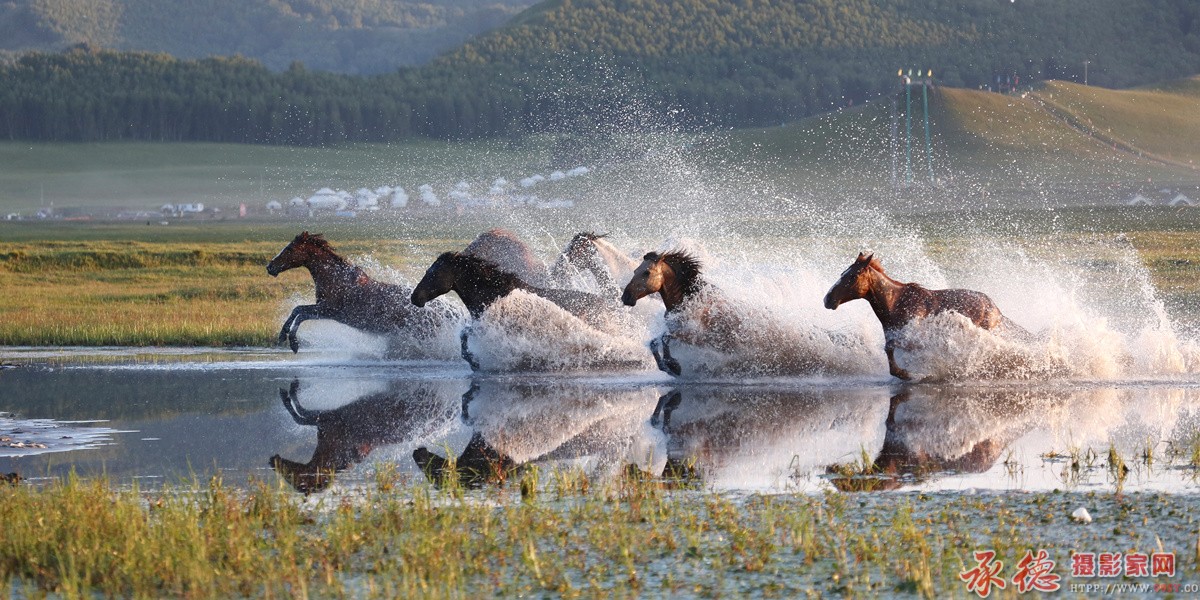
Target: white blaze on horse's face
(283, 261)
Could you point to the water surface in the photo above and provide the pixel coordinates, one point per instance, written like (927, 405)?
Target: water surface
(162, 417)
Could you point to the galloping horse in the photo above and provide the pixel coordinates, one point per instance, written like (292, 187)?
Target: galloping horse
(504, 249)
(897, 304)
(346, 294)
(676, 277)
(479, 283)
(589, 251)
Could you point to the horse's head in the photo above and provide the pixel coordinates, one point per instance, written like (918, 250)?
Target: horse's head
(297, 254)
(439, 279)
(855, 282)
(582, 254)
(647, 279)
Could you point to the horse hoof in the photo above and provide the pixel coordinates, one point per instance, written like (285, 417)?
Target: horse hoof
(673, 367)
(294, 344)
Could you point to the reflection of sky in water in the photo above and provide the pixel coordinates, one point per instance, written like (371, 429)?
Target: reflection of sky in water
(173, 414)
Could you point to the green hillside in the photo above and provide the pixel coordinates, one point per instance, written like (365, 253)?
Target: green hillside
(1092, 142)
(351, 36)
(983, 144)
(582, 67)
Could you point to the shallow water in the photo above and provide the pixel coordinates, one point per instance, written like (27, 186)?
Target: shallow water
(162, 417)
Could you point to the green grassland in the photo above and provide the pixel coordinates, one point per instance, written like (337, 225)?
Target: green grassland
(100, 292)
(1085, 144)
(547, 533)
(146, 176)
(202, 281)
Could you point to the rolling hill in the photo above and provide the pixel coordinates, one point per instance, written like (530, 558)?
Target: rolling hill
(1070, 143)
(348, 36)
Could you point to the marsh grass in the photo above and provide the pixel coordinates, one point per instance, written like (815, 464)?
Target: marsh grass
(632, 536)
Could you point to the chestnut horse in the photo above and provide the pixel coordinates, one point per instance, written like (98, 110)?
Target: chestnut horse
(346, 294)
(591, 252)
(479, 283)
(897, 304)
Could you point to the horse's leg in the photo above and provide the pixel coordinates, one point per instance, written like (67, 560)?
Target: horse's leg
(466, 353)
(466, 400)
(672, 364)
(666, 405)
(890, 348)
(301, 314)
(287, 325)
(299, 414)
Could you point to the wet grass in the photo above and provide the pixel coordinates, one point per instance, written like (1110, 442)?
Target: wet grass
(573, 537)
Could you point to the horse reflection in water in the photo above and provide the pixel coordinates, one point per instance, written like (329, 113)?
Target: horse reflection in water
(346, 294)
(763, 437)
(934, 432)
(897, 304)
(601, 429)
(405, 411)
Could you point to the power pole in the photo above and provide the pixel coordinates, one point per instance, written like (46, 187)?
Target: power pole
(1085, 66)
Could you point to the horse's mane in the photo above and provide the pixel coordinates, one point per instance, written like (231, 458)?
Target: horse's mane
(487, 269)
(687, 269)
(317, 239)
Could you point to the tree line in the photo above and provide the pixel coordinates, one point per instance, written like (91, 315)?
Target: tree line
(603, 65)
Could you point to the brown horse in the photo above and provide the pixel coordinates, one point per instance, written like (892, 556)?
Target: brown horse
(675, 276)
(504, 249)
(591, 252)
(897, 304)
(346, 294)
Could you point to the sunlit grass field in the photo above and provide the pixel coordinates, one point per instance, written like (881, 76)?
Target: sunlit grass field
(203, 290)
(545, 533)
(205, 284)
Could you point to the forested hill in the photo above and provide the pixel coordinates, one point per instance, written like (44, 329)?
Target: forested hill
(584, 65)
(860, 44)
(349, 36)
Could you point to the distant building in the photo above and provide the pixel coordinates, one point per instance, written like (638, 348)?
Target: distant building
(1164, 197)
(1181, 200)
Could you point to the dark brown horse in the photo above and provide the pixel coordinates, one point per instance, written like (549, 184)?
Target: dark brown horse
(897, 304)
(479, 283)
(346, 294)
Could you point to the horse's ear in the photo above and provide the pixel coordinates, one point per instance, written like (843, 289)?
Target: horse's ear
(654, 256)
(865, 257)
